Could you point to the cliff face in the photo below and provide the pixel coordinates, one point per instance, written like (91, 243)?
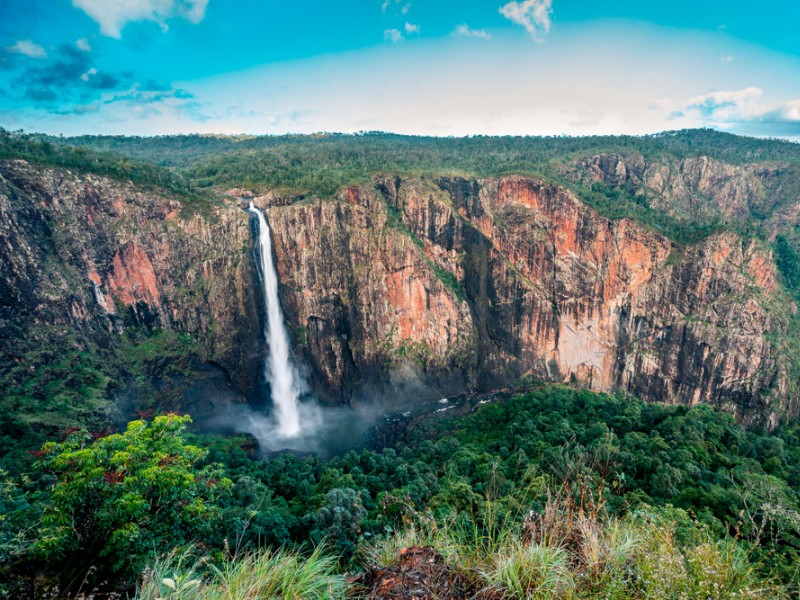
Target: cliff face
(405, 289)
(85, 258)
(700, 188)
(473, 284)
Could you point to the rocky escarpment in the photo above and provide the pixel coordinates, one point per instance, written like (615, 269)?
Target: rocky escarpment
(404, 289)
(473, 284)
(86, 259)
(699, 188)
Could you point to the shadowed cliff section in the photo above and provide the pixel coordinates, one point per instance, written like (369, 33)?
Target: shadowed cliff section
(111, 291)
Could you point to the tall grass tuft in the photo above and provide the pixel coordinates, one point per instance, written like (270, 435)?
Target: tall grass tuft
(180, 575)
(568, 552)
(267, 574)
(264, 574)
(530, 572)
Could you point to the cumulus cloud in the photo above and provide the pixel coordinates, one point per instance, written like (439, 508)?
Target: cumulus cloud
(28, 48)
(726, 106)
(113, 15)
(392, 35)
(533, 15)
(747, 111)
(83, 44)
(410, 28)
(464, 30)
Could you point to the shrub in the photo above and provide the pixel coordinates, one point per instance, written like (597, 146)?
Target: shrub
(119, 498)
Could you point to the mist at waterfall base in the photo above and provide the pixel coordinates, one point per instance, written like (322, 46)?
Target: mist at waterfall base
(296, 422)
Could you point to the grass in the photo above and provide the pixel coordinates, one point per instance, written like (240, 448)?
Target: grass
(264, 574)
(575, 550)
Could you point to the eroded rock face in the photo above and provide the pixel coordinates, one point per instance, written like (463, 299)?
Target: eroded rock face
(87, 257)
(474, 284)
(406, 289)
(699, 189)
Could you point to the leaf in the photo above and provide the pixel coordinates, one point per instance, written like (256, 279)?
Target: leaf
(170, 583)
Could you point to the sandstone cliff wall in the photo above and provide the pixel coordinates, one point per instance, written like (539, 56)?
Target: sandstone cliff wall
(475, 284)
(83, 257)
(406, 289)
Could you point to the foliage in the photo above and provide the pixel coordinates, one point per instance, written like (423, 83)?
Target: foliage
(338, 520)
(30, 147)
(123, 496)
(459, 484)
(602, 557)
(787, 258)
(264, 574)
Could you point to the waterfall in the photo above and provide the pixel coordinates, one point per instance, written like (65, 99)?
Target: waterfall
(281, 374)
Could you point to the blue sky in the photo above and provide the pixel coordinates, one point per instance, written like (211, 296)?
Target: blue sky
(436, 67)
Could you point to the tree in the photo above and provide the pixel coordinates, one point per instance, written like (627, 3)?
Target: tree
(338, 521)
(120, 498)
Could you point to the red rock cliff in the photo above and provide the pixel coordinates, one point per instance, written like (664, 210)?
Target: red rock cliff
(473, 284)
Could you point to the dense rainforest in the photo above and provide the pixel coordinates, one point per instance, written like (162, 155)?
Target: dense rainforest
(108, 487)
(153, 499)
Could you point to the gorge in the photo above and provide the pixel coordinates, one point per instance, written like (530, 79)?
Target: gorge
(397, 290)
(425, 344)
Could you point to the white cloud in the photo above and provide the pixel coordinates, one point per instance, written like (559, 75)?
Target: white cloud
(725, 58)
(388, 3)
(464, 30)
(411, 28)
(113, 15)
(88, 74)
(392, 35)
(83, 44)
(729, 106)
(788, 111)
(746, 108)
(533, 15)
(28, 48)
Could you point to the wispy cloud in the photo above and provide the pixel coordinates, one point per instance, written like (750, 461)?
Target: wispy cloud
(726, 58)
(392, 35)
(403, 9)
(464, 30)
(28, 48)
(68, 83)
(83, 44)
(410, 28)
(113, 15)
(70, 75)
(533, 15)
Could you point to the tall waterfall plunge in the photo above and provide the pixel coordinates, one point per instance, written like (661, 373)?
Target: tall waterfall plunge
(281, 374)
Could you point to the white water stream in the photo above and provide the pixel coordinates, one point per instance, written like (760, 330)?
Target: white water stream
(281, 374)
